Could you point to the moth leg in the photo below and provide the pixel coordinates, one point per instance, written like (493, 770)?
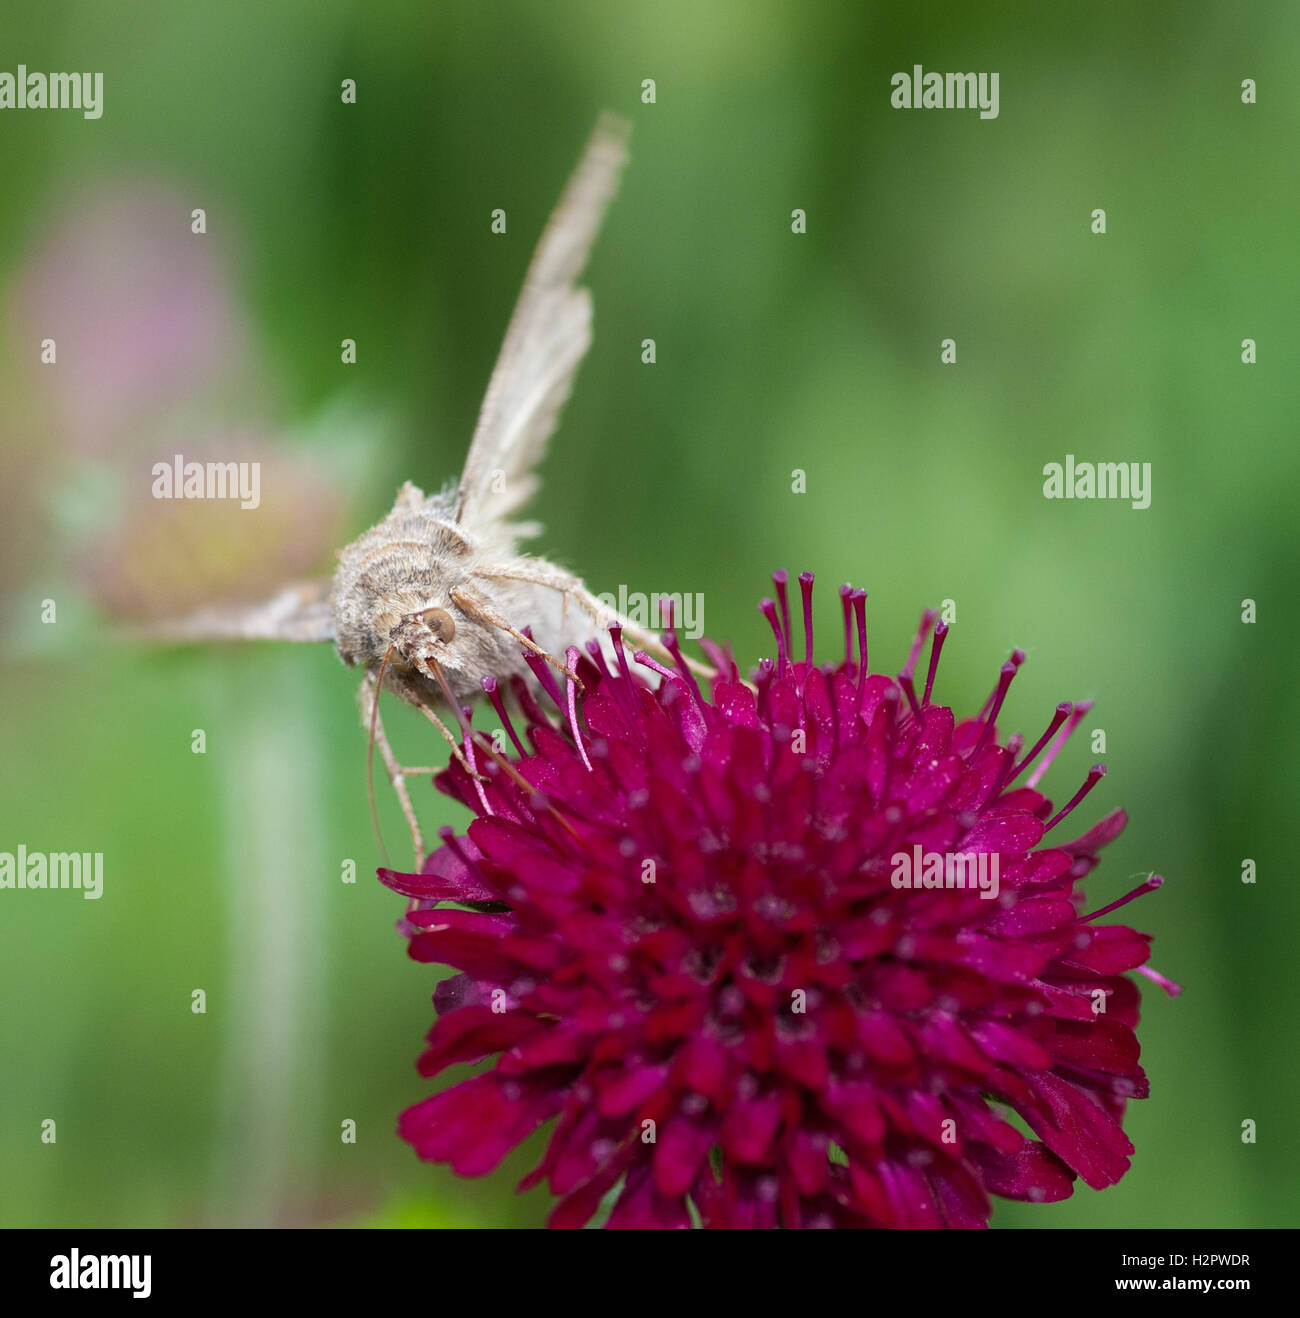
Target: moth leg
(476, 607)
(414, 696)
(396, 773)
(573, 588)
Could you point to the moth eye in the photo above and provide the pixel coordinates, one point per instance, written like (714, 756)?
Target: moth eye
(440, 623)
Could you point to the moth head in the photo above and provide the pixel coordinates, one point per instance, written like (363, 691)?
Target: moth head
(424, 634)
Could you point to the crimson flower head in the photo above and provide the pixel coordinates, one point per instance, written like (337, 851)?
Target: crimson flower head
(782, 952)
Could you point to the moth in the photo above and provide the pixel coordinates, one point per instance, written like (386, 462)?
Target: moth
(438, 595)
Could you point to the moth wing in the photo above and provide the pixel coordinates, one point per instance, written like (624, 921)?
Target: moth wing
(299, 612)
(548, 335)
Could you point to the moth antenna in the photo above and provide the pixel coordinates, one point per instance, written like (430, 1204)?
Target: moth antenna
(370, 757)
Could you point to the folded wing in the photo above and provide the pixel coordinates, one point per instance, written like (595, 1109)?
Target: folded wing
(548, 336)
(297, 613)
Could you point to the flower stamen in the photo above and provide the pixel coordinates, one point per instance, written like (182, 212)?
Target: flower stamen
(1095, 775)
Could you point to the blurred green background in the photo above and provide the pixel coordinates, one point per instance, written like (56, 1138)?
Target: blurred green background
(774, 352)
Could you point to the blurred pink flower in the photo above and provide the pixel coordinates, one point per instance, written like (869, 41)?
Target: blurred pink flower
(155, 357)
(139, 308)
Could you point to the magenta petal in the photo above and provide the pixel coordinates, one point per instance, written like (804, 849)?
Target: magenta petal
(1010, 833)
(473, 1125)
(1099, 835)
(472, 1033)
(642, 1207)
(629, 1090)
(444, 877)
(1034, 1173)
(1079, 1131)
(682, 1146)
(962, 1202)
(750, 1127)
